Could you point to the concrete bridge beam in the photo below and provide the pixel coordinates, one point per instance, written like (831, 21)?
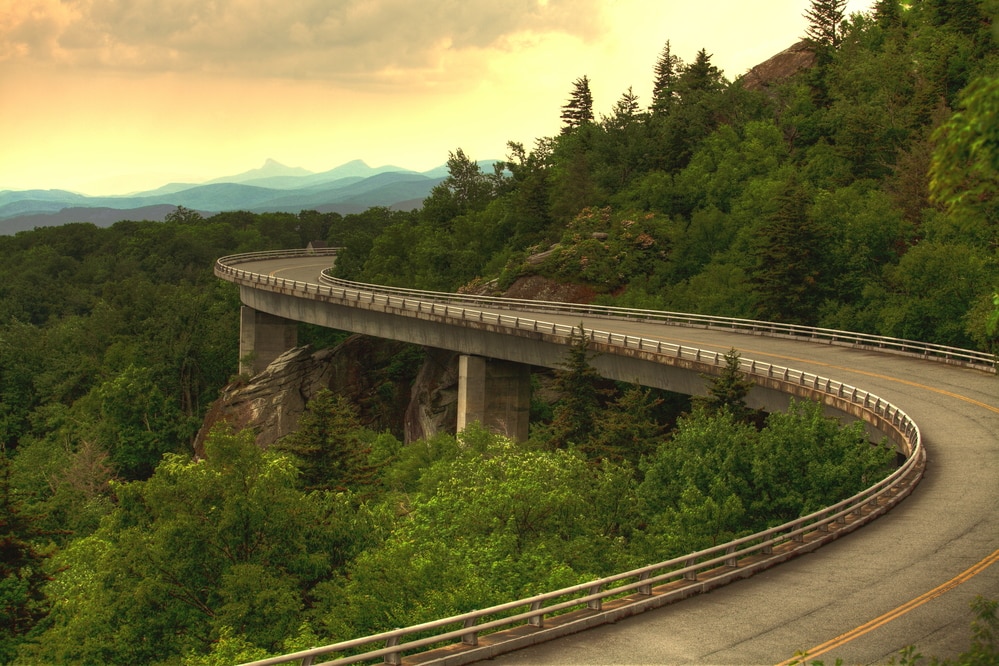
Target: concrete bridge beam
(262, 338)
(495, 393)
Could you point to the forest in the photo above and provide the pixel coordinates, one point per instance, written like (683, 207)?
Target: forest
(858, 193)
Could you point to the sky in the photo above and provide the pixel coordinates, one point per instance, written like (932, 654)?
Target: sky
(116, 96)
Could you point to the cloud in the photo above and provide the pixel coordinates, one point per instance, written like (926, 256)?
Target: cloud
(340, 40)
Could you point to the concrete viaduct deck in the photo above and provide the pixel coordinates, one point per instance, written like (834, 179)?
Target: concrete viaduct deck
(906, 578)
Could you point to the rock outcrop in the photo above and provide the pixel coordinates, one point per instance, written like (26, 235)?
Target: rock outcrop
(433, 405)
(782, 66)
(379, 376)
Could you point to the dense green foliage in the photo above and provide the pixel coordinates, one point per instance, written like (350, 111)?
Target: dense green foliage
(808, 201)
(237, 545)
(858, 194)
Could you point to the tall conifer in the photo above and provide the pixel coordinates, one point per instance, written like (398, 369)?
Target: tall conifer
(825, 22)
(578, 111)
(668, 68)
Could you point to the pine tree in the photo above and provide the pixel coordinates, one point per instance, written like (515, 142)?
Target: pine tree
(331, 453)
(577, 383)
(667, 71)
(728, 390)
(825, 22)
(700, 76)
(961, 15)
(628, 428)
(578, 111)
(789, 256)
(625, 111)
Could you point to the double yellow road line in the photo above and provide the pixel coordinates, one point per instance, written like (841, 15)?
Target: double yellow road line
(964, 576)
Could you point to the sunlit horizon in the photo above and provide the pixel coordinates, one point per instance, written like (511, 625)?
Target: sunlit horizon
(127, 101)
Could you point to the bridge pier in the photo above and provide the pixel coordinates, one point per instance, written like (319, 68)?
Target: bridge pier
(495, 393)
(262, 338)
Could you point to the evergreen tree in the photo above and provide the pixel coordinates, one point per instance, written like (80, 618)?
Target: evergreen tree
(963, 16)
(825, 22)
(788, 254)
(728, 390)
(700, 76)
(578, 111)
(628, 428)
(465, 189)
(577, 383)
(328, 444)
(667, 72)
(625, 111)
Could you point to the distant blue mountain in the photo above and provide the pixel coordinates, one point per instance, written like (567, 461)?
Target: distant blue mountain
(349, 188)
(270, 169)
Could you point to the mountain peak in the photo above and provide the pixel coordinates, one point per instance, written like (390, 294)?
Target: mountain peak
(271, 168)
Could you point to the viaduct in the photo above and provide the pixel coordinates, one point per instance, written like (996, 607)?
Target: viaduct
(906, 579)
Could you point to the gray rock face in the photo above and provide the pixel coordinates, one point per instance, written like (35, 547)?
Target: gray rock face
(392, 390)
(433, 407)
(785, 64)
(273, 400)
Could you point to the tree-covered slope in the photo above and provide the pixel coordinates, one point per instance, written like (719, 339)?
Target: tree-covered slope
(805, 199)
(857, 193)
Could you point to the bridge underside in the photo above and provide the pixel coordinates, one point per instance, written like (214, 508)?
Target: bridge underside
(494, 375)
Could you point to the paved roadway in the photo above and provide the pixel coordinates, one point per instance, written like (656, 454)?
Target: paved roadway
(907, 578)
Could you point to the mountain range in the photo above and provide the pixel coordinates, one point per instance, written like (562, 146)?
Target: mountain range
(349, 188)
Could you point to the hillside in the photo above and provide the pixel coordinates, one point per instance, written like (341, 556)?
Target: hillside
(849, 183)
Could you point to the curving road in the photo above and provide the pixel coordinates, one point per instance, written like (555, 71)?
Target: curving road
(905, 579)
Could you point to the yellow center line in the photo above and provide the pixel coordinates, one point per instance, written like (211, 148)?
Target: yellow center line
(876, 375)
(897, 612)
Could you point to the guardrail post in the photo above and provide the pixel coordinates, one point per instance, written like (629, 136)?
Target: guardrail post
(731, 561)
(595, 604)
(690, 575)
(539, 619)
(647, 588)
(472, 637)
(392, 658)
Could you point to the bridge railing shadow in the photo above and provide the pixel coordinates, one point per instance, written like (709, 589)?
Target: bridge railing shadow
(491, 631)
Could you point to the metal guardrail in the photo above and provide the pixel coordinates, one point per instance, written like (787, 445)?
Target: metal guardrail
(971, 358)
(663, 578)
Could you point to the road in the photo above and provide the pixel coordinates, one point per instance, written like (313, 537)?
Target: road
(905, 579)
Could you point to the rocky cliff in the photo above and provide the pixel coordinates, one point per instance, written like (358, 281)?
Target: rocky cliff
(390, 382)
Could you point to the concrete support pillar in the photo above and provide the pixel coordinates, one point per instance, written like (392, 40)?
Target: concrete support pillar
(495, 393)
(262, 338)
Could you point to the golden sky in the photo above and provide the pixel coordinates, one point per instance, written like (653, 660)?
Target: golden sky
(113, 96)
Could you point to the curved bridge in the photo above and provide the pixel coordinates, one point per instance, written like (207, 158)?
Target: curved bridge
(906, 579)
